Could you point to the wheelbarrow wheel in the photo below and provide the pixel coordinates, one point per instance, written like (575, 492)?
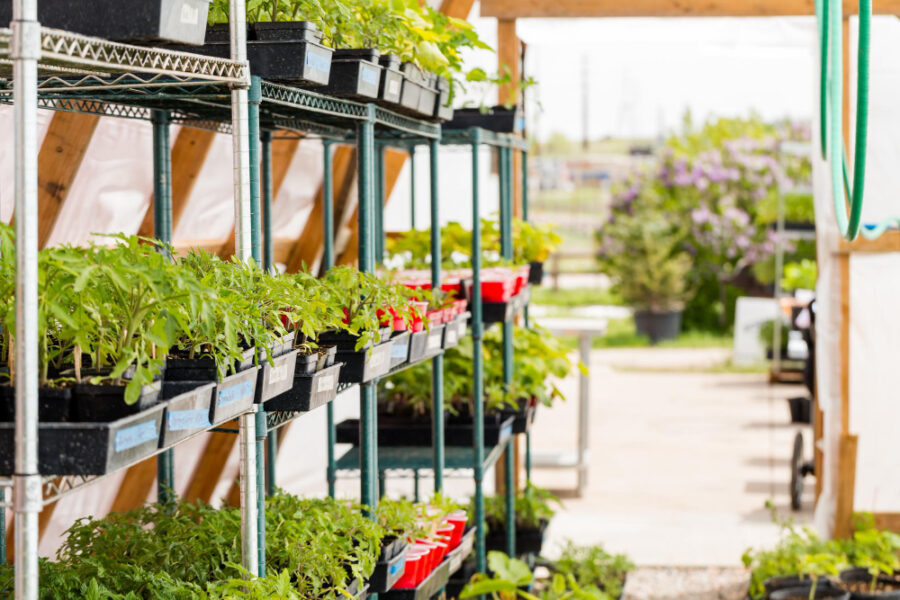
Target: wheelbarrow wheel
(797, 468)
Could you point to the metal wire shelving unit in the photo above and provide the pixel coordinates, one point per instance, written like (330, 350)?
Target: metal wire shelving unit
(63, 71)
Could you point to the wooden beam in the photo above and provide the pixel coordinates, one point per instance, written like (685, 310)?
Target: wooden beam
(889, 521)
(283, 151)
(508, 57)
(188, 157)
(59, 160)
(844, 342)
(889, 241)
(457, 8)
(308, 247)
(521, 9)
(846, 486)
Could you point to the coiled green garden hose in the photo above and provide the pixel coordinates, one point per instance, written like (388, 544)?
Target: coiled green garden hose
(844, 183)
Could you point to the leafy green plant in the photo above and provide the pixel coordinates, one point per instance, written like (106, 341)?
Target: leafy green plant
(509, 576)
(594, 566)
(800, 275)
(533, 506)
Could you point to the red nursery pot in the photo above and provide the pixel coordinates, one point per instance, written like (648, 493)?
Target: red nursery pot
(433, 554)
(448, 532)
(436, 317)
(412, 570)
(497, 290)
(520, 283)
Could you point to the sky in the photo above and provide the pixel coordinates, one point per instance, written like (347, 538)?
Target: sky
(643, 73)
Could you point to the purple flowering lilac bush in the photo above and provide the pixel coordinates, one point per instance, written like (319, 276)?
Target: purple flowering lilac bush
(713, 189)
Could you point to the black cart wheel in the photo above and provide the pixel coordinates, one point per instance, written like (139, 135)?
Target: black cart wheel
(797, 468)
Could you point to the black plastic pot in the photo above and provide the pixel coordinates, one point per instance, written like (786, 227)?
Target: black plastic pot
(426, 590)
(522, 417)
(88, 448)
(418, 344)
(354, 74)
(391, 546)
(391, 87)
(536, 272)
(394, 431)
(187, 411)
(287, 52)
(388, 571)
(332, 353)
(276, 376)
(451, 335)
(443, 111)
(773, 584)
(97, 403)
(234, 395)
(344, 341)
(308, 392)
(307, 364)
(801, 409)
(529, 540)
(428, 96)
(497, 118)
(365, 365)
(434, 341)
(658, 326)
(802, 593)
(202, 368)
(412, 88)
(400, 349)
(138, 21)
(54, 404)
(861, 575)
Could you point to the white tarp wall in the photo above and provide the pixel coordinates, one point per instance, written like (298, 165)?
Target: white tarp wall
(874, 375)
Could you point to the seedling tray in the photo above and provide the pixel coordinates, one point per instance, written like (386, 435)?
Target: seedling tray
(276, 376)
(187, 410)
(498, 312)
(388, 572)
(400, 349)
(418, 344)
(354, 74)
(365, 365)
(234, 395)
(54, 404)
(429, 587)
(203, 368)
(451, 335)
(88, 448)
(522, 418)
(528, 541)
(391, 87)
(458, 555)
(435, 340)
(180, 21)
(309, 391)
(499, 119)
(409, 96)
(398, 432)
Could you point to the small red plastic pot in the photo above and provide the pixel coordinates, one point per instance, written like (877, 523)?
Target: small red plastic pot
(433, 554)
(497, 290)
(448, 532)
(521, 280)
(435, 317)
(412, 571)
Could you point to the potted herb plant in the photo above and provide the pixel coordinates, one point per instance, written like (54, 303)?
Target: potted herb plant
(534, 507)
(594, 566)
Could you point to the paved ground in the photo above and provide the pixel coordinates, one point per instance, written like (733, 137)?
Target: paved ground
(681, 464)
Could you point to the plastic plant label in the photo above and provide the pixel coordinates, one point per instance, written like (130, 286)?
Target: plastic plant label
(398, 567)
(179, 420)
(452, 337)
(368, 75)
(394, 88)
(135, 435)
(190, 15)
(434, 341)
(317, 62)
(326, 383)
(399, 350)
(235, 393)
(279, 373)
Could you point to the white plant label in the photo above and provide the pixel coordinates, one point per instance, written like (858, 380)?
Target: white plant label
(189, 14)
(278, 374)
(326, 383)
(434, 342)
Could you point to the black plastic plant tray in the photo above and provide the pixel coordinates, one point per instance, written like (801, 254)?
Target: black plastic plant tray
(522, 418)
(400, 349)
(497, 312)
(418, 342)
(391, 87)
(429, 587)
(387, 573)
(276, 377)
(357, 590)
(498, 118)
(88, 448)
(181, 21)
(391, 546)
(409, 96)
(434, 341)
(234, 395)
(54, 404)
(288, 61)
(365, 365)
(399, 432)
(309, 391)
(353, 77)
(187, 410)
(443, 111)
(203, 368)
(528, 541)
(458, 555)
(536, 272)
(451, 335)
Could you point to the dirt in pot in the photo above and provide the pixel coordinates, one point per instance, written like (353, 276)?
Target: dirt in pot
(866, 587)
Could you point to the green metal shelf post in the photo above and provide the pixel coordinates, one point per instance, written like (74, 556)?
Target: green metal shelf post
(437, 363)
(477, 366)
(162, 229)
(268, 264)
(328, 226)
(526, 315)
(506, 250)
(412, 186)
(380, 192)
(365, 148)
(254, 100)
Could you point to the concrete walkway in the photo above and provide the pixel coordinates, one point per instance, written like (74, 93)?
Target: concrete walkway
(682, 463)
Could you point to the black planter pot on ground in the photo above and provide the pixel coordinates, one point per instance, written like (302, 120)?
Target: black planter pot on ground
(354, 74)
(658, 326)
(187, 410)
(137, 21)
(529, 540)
(859, 582)
(89, 448)
(498, 118)
(801, 409)
(803, 593)
(54, 404)
(308, 392)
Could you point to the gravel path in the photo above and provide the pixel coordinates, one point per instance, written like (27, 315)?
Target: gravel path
(686, 583)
